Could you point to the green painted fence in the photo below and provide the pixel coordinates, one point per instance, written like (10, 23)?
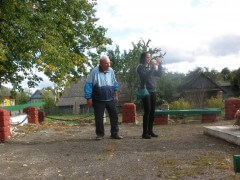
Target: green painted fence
(23, 106)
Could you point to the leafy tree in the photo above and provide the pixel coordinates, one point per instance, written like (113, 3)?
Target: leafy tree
(117, 61)
(226, 74)
(125, 63)
(22, 97)
(49, 98)
(169, 86)
(213, 74)
(3, 93)
(55, 37)
(235, 79)
(49, 102)
(131, 61)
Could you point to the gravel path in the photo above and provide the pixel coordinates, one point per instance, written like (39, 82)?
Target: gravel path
(58, 151)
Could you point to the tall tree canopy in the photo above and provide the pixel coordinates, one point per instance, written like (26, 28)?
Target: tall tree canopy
(226, 74)
(212, 74)
(55, 37)
(235, 80)
(125, 63)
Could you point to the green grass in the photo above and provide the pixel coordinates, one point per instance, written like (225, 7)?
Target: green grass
(70, 119)
(70, 116)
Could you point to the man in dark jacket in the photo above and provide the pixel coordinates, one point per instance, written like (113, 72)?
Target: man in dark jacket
(101, 92)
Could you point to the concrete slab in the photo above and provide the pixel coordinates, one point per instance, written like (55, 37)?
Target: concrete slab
(229, 133)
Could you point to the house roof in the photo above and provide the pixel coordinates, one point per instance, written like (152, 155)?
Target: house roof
(229, 89)
(75, 94)
(224, 84)
(39, 94)
(201, 81)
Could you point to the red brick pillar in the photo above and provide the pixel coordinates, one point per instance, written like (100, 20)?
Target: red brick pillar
(161, 119)
(32, 113)
(41, 116)
(4, 125)
(209, 118)
(231, 107)
(129, 113)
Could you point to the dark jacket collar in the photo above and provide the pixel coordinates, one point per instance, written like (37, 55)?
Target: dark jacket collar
(101, 70)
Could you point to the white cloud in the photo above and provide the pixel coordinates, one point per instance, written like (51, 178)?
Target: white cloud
(43, 84)
(211, 62)
(194, 32)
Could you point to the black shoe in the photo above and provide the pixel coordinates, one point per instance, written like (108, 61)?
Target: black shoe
(146, 136)
(116, 137)
(153, 135)
(99, 138)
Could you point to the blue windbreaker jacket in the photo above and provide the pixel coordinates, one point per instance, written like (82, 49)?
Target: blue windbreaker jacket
(101, 86)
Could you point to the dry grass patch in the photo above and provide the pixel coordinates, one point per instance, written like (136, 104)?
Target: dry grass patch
(178, 169)
(28, 128)
(214, 159)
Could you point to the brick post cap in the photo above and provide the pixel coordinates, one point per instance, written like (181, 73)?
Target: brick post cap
(4, 112)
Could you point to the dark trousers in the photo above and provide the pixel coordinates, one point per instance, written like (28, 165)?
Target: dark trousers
(99, 108)
(149, 103)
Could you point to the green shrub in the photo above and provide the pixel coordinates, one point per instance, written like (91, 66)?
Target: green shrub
(215, 103)
(179, 104)
(49, 103)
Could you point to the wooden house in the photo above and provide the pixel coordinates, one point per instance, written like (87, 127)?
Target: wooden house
(73, 101)
(229, 90)
(200, 88)
(38, 95)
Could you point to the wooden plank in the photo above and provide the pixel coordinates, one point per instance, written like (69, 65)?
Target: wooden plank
(190, 111)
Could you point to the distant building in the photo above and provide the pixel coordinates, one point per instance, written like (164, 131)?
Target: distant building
(228, 88)
(200, 88)
(38, 95)
(72, 100)
(6, 98)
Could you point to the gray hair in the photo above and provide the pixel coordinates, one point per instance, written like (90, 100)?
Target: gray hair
(104, 57)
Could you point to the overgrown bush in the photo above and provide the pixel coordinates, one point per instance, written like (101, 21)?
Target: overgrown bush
(49, 103)
(215, 103)
(179, 104)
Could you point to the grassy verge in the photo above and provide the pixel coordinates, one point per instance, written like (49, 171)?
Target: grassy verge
(70, 119)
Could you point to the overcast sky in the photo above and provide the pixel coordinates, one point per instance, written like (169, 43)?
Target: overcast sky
(193, 33)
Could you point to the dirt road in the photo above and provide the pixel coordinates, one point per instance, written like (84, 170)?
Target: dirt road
(59, 151)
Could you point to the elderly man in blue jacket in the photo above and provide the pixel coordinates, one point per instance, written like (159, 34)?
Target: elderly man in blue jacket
(101, 92)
